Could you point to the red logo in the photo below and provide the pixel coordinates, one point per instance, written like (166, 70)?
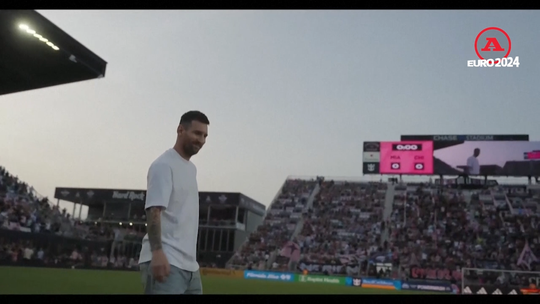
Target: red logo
(490, 43)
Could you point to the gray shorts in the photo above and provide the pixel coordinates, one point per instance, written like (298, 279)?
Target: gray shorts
(178, 282)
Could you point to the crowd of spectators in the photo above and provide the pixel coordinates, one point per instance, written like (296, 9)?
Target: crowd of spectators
(21, 210)
(434, 233)
(430, 233)
(343, 228)
(279, 224)
(28, 254)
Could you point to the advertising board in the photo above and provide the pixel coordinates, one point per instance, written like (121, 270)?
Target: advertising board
(321, 279)
(488, 289)
(376, 283)
(269, 276)
(355, 282)
(218, 272)
(421, 285)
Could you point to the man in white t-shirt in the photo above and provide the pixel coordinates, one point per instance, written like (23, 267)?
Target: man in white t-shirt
(28, 253)
(168, 259)
(473, 167)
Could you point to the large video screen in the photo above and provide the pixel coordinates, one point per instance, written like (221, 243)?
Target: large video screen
(397, 157)
(494, 158)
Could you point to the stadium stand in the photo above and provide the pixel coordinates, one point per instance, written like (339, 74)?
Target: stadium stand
(279, 226)
(405, 231)
(37, 231)
(443, 231)
(343, 227)
(21, 210)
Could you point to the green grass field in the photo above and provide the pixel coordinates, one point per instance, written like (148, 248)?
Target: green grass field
(22, 280)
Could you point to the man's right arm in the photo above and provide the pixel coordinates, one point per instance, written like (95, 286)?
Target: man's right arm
(153, 222)
(158, 194)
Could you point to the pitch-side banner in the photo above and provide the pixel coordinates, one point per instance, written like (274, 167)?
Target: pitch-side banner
(495, 290)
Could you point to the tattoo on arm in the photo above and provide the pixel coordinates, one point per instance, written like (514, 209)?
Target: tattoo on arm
(153, 216)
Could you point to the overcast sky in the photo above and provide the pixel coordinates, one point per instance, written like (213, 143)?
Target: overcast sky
(286, 92)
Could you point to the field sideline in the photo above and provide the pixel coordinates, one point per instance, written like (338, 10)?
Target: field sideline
(23, 280)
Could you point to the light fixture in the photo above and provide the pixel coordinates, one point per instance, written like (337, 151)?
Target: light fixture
(30, 31)
(120, 224)
(131, 224)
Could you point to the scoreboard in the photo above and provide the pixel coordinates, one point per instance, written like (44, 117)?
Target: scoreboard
(398, 157)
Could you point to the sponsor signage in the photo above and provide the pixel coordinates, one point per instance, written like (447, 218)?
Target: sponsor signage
(479, 137)
(372, 146)
(218, 272)
(371, 157)
(354, 282)
(381, 284)
(129, 195)
(321, 279)
(492, 290)
(88, 196)
(427, 286)
(270, 276)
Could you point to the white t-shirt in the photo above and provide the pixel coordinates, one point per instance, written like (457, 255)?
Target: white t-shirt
(28, 253)
(474, 166)
(172, 183)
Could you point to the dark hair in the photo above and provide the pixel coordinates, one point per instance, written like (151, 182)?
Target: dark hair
(191, 116)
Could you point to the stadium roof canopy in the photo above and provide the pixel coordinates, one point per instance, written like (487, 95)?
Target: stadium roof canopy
(35, 53)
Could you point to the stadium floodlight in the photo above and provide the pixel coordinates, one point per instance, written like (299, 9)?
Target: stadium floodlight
(30, 31)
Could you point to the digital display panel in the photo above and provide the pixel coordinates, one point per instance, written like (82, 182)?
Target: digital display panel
(406, 158)
(398, 157)
(493, 158)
